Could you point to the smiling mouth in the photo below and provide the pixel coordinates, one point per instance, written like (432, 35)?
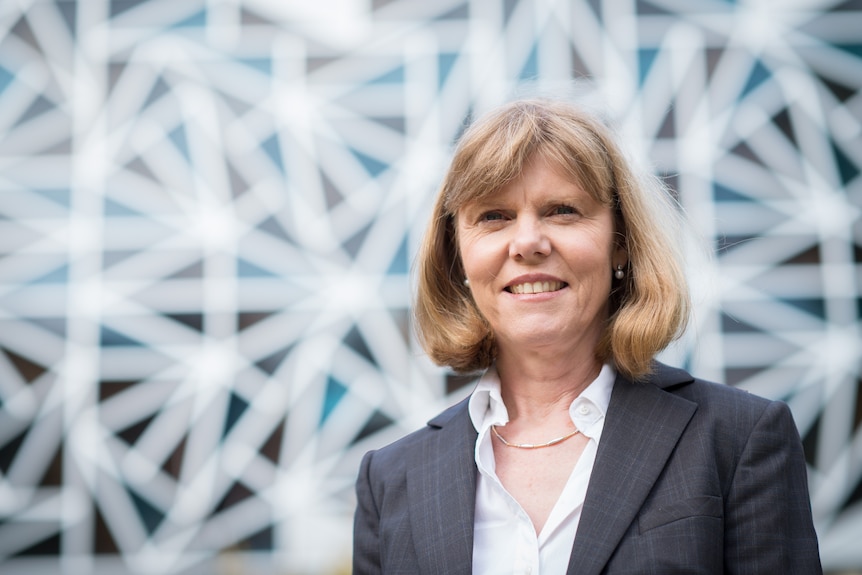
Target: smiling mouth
(535, 287)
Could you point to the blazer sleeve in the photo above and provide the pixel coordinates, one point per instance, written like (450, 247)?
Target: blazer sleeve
(768, 525)
(366, 524)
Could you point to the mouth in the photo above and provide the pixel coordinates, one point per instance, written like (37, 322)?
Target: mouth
(535, 287)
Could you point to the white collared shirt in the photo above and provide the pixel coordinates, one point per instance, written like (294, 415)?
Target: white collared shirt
(504, 539)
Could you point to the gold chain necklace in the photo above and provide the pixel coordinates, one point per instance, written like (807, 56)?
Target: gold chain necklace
(531, 445)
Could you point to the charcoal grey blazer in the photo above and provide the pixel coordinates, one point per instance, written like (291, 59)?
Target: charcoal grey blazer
(690, 477)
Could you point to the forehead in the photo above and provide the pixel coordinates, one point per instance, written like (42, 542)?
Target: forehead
(539, 179)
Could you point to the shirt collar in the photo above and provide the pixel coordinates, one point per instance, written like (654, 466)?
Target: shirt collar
(486, 402)
(486, 405)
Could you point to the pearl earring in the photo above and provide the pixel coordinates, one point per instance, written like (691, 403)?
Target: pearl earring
(619, 274)
(466, 282)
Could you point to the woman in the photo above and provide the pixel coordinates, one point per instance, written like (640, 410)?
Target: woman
(554, 268)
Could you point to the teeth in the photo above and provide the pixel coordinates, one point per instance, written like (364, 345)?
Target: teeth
(536, 287)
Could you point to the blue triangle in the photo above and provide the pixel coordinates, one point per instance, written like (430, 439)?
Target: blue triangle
(69, 13)
(246, 269)
(178, 137)
(260, 64)
(847, 170)
(335, 391)
(112, 338)
(372, 165)
(646, 57)
(59, 196)
(759, 74)
(6, 78)
(393, 76)
(58, 275)
(197, 20)
(113, 208)
(643, 7)
(853, 49)
(159, 89)
(150, 515)
(235, 409)
(120, 6)
(722, 193)
(399, 263)
(445, 63)
(813, 306)
(272, 147)
(40, 105)
(531, 66)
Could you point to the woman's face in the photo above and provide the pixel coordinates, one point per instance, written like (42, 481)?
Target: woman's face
(540, 255)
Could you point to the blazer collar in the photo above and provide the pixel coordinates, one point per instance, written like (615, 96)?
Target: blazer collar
(443, 525)
(643, 425)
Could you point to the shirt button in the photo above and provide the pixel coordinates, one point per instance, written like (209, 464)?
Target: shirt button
(583, 409)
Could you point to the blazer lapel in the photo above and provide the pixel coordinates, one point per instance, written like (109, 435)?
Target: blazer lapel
(442, 493)
(643, 425)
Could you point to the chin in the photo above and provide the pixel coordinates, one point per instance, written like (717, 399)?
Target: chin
(544, 334)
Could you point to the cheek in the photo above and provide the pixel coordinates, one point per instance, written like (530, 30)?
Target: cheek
(473, 252)
(469, 259)
(481, 260)
(591, 261)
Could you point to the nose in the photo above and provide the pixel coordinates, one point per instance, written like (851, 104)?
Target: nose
(529, 240)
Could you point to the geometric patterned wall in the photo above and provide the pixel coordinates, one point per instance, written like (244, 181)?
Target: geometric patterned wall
(208, 210)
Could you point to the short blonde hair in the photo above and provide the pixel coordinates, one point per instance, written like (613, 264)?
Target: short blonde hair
(648, 309)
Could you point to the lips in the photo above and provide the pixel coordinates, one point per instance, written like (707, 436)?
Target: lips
(535, 287)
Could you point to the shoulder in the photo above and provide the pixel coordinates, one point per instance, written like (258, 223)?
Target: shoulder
(703, 392)
(724, 409)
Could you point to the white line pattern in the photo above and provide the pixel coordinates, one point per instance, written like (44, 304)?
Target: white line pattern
(208, 210)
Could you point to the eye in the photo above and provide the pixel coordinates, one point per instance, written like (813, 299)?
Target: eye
(564, 210)
(491, 216)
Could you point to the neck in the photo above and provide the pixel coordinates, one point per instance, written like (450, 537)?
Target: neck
(536, 387)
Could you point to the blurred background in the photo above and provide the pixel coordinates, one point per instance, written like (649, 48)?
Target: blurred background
(209, 209)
